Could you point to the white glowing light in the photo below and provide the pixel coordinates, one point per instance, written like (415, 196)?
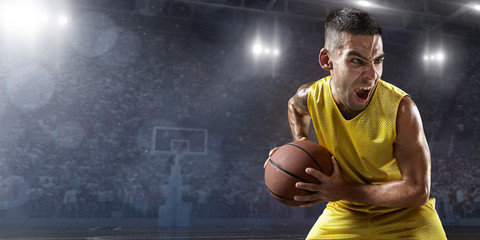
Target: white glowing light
(477, 7)
(434, 57)
(63, 20)
(364, 3)
(26, 17)
(440, 56)
(22, 16)
(262, 49)
(44, 18)
(257, 49)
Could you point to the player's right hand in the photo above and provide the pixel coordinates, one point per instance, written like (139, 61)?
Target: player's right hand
(275, 149)
(270, 155)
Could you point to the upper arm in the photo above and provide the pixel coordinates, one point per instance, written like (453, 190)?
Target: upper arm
(411, 148)
(300, 100)
(298, 114)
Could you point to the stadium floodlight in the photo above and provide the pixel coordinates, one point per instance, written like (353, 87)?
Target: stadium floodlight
(27, 17)
(434, 57)
(257, 49)
(364, 3)
(44, 18)
(62, 20)
(265, 49)
(476, 7)
(22, 16)
(440, 56)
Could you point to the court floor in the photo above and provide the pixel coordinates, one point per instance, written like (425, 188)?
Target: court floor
(143, 233)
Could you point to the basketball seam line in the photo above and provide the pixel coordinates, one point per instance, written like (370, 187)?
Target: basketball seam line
(314, 160)
(286, 198)
(291, 174)
(282, 197)
(287, 172)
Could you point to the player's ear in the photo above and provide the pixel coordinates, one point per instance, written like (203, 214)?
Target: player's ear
(324, 60)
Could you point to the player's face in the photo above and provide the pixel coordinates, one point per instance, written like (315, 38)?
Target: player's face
(356, 68)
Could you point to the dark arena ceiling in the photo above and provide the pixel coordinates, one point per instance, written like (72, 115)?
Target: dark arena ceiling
(227, 18)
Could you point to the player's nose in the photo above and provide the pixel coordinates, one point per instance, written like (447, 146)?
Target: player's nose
(370, 71)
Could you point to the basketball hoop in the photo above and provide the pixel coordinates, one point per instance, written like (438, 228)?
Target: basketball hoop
(186, 141)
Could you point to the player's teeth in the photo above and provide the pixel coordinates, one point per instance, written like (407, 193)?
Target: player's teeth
(366, 88)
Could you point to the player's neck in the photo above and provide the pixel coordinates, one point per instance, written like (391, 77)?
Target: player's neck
(346, 112)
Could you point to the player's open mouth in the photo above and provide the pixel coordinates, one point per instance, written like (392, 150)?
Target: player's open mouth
(363, 92)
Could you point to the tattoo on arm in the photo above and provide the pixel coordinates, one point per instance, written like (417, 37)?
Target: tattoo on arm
(300, 100)
(300, 104)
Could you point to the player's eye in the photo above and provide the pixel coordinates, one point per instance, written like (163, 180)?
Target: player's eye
(378, 61)
(357, 61)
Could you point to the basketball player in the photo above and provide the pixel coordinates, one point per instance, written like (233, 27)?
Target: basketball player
(380, 186)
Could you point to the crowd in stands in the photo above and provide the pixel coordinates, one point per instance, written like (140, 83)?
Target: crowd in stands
(101, 165)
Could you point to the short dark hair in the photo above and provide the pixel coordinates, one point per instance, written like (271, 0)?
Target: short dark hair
(351, 20)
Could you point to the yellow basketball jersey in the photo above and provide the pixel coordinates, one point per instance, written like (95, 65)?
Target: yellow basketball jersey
(363, 147)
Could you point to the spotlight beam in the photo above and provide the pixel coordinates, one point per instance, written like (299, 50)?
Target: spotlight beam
(455, 14)
(270, 5)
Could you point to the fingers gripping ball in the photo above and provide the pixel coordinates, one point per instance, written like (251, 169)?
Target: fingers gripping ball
(287, 165)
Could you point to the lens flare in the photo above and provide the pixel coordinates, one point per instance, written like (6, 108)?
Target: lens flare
(94, 34)
(30, 87)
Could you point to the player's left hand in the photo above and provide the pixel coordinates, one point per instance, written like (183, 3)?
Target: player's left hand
(331, 188)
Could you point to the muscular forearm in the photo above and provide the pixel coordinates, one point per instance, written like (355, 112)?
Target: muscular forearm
(299, 122)
(399, 194)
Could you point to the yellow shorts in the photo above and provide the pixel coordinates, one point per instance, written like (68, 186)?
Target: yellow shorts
(345, 220)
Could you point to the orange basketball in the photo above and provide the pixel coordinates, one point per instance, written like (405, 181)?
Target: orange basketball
(287, 166)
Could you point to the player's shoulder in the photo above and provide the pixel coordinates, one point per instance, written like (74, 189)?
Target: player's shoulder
(408, 116)
(390, 88)
(384, 85)
(407, 105)
(304, 89)
(300, 100)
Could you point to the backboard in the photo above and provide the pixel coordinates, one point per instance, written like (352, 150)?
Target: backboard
(189, 141)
